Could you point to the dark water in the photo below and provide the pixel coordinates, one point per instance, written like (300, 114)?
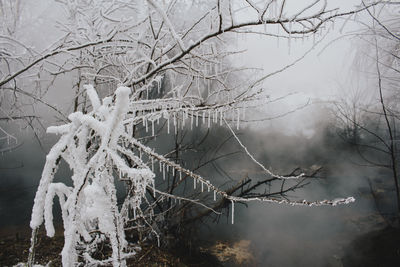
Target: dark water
(20, 172)
(279, 235)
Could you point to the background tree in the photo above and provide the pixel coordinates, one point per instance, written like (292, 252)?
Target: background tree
(375, 116)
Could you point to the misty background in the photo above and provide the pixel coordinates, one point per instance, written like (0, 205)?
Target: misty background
(301, 130)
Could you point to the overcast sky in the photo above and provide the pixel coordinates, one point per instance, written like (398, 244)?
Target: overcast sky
(322, 75)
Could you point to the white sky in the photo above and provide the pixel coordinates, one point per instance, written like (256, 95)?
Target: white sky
(319, 76)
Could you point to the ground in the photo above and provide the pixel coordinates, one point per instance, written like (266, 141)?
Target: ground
(379, 248)
(14, 246)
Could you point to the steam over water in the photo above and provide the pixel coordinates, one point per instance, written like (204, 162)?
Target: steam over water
(279, 235)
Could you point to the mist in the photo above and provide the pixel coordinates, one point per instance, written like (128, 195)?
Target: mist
(298, 126)
(279, 235)
(302, 236)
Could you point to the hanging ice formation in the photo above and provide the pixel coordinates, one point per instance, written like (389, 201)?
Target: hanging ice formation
(90, 205)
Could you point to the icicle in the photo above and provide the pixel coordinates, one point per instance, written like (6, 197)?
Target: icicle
(208, 188)
(175, 124)
(168, 125)
(147, 126)
(197, 119)
(204, 117)
(238, 119)
(173, 171)
(277, 38)
(152, 127)
(191, 120)
(140, 153)
(183, 118)
(180, 176)
(209, 118)
(167, 168)
(163, 171)
(202, 186)
(221, 119)
(215, 116)
(233, 212)
(194, 183)
(215, 195)
(154, 190)
(290, 37)
(314, 39)
(160, 165)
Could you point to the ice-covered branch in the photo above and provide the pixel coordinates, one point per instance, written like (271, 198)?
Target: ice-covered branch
(257, 162)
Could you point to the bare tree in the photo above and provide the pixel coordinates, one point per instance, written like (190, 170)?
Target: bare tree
(376, 121)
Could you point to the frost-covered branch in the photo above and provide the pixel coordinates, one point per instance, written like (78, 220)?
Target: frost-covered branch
(141, 69)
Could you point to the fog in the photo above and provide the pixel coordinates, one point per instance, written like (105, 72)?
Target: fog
(300, 130)
(279, 235)
(303, 236)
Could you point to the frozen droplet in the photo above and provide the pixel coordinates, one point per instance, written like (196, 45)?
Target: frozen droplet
(233, 212)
